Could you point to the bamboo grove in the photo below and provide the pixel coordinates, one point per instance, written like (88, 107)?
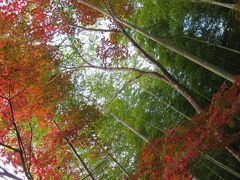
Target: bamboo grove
(127, 89)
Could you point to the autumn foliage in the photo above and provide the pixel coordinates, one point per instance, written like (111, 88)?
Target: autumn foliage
(30, 92)
(34, 93)
(171, 156)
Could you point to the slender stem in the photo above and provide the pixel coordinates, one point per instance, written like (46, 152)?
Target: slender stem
(234, 151)
(122, 69)
(75, 152)
(94, 29)
(20, 144)
(212, 44)
(219, 164)
(226, 5)
(145, 139)
(9, 147)
(123, 87)
(8, 174)
(97, 166)
(118, 164)
(167, 104)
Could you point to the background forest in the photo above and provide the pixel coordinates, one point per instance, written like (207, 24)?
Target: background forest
(120, 89)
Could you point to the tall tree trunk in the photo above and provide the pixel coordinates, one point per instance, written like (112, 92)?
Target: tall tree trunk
(167, 45)
(145, 139)
(212, 44)
(233, 138)
(75, 152)
(222, 166)
(234, 151)
(226, 5)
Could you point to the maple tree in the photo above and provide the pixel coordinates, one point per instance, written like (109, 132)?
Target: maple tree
(32, 87)
(26, 95)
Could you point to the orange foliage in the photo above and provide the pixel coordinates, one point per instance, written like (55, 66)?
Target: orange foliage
(30, 81)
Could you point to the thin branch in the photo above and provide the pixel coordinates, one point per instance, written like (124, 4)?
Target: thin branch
(118, 164)
(19, 92)
(75, 152)
(4, 97)
(99, 164)
(123, 69)
(9, 147)
(167, 104)
(233, 151)
(219, 164)
(212, 44)
(226, 5)
(96, 167)
(95, 29)
(118, 119)
(20, 143)
(123, 87)
(54, 78)
(8, 174)
(81, 57)
(30, 147)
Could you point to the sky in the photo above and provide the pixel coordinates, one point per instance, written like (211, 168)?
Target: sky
(10, 169)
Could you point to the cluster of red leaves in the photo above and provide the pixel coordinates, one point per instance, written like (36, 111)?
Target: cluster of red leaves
(87, 15)
(52, 156)
(170, 157)
(31, 18)
(110, 52)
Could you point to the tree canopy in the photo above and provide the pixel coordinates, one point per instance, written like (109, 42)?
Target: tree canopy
(127, 89)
